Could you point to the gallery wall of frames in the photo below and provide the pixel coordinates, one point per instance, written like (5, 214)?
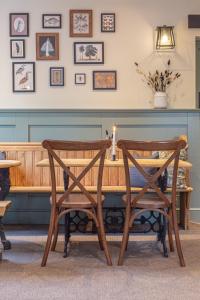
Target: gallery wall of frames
(79, 54)
(86, 51)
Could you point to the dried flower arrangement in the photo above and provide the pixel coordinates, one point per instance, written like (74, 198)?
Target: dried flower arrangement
(158, 81)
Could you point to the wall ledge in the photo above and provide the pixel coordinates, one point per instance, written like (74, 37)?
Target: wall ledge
(58, 110)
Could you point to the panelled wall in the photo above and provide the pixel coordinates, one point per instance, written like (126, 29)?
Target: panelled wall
(36, 125)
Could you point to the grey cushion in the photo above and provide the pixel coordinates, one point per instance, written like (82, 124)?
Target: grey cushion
(136, 178)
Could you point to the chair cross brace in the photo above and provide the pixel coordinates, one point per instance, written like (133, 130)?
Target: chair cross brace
(76, 180)
(151, 179)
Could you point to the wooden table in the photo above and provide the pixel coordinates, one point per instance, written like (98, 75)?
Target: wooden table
(5, 204)
(184, 193)
(82, 162)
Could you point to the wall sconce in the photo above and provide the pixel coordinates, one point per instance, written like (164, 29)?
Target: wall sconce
(165, 38)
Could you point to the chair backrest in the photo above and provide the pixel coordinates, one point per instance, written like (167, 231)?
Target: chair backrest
(174, 146)
(53, 146)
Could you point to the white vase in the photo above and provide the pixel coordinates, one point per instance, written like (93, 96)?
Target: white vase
(160, 100)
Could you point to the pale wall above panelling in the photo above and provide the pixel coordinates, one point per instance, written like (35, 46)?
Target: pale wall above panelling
(133, 41)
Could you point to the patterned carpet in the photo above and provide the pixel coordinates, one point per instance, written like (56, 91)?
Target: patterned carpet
(85, 276)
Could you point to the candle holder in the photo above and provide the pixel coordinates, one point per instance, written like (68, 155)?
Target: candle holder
(113, 157)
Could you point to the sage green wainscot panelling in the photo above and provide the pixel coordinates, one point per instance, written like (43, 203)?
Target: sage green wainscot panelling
(36, 125)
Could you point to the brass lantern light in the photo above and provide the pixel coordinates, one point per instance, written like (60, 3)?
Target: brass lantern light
(165, 38)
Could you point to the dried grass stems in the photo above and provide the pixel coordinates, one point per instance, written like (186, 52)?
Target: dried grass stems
(158, 81)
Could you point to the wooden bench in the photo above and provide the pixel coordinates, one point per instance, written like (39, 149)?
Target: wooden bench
(28, 178)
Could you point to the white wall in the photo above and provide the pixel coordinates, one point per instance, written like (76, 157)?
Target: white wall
(133, 41)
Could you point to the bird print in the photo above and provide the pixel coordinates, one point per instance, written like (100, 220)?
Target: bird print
(24, 80)
(20, 70)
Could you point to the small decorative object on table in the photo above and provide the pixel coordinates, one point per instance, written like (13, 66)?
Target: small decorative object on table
(159, 82)
(113, 153)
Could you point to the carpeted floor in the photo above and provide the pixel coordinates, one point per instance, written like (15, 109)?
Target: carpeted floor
(85, 276)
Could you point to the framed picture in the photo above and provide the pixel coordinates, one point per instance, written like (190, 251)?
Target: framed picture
(89, 53)
(104, 80)
(23, 77)
(80, 23)
(19, 24)
(107, 22)
(51, 21)
(17, 48)
(80, 78)
(56, 76)
(47, 46)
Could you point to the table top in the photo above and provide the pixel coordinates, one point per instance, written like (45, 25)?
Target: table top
(6, 163)
(82, 162)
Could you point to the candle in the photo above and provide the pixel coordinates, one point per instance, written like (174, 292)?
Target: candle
(113, 143)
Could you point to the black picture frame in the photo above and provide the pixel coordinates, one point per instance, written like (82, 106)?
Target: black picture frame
(16, 21)
(80, 78)
(107, 82)
(23, 76)
(56, 76)
(92, 53)
(108, 25)
(52, 19)
(17, 48)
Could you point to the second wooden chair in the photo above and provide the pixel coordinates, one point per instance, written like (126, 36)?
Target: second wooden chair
(137, 204)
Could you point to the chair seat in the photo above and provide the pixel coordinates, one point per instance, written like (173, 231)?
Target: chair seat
(77, 200)
(149, 203)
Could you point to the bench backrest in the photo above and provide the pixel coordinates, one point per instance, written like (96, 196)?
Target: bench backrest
(28, 174)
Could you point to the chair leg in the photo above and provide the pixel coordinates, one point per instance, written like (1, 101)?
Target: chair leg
(100, 239)
(170, 237)
(49, 238)
(177, 238)
(103, 236)
(55, 238)
(127, 243)
(125, 237)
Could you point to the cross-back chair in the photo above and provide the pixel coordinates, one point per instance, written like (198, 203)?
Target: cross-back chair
(62, 204)
(141, 202)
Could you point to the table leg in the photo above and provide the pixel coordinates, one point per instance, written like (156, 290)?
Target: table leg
(161, 236)
(67, 234)
(4, 241)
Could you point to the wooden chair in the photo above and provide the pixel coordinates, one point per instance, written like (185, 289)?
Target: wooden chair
(63, 204)
(165, 205)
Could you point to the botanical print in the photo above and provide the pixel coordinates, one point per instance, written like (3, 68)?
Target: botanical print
(19, 24)
(104, 80)
(23, 77)
(17, 49)
(81, 23)
(47, 46)
(51, 21)
(56, 76)
(107, 22)
(89, 53)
